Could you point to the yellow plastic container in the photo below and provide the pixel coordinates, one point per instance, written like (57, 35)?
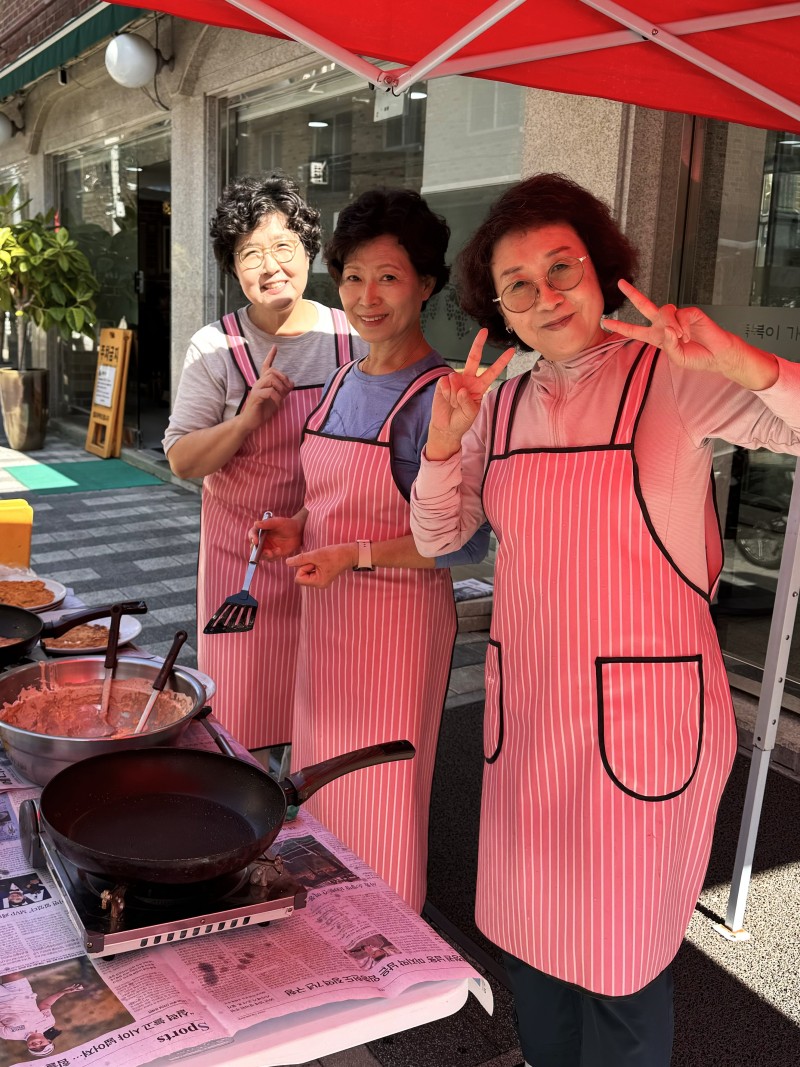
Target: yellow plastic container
(16, 522)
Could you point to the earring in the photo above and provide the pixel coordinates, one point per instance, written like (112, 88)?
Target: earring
(509, 330)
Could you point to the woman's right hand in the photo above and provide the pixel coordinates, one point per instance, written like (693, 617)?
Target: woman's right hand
(458, 397)
(282, 537)
(266, 395)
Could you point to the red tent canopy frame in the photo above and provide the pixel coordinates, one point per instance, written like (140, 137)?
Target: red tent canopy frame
(723, 59)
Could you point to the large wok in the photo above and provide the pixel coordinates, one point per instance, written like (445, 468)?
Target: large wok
(26, 628)
(180, 815)
(41, 756)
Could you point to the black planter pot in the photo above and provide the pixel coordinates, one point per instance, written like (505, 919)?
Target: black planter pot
(23, 396)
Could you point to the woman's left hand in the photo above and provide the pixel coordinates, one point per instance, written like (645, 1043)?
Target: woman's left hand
(321, 567)
(694, 341)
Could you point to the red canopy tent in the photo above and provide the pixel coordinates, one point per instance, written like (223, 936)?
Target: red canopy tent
(724, 59)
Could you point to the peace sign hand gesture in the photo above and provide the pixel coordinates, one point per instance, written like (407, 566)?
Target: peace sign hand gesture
(458, 397)
(695, 342)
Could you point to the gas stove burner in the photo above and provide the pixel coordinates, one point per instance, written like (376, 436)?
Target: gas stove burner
(160, 895)
(113, 917)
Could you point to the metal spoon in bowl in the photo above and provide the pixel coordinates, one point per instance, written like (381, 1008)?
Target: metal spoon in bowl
(160, 679)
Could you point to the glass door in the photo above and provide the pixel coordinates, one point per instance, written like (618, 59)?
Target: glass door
(741, 264)
(115, 200)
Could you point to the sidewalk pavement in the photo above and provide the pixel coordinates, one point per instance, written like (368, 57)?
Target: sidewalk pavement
(737, 1004)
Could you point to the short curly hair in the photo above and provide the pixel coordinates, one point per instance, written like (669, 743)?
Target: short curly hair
(247, 201)
(539, 201)
(403, 214)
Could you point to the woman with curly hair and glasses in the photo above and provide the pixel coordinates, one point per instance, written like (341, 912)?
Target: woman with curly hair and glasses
(609, 730)
(379, 620)
(247, 387)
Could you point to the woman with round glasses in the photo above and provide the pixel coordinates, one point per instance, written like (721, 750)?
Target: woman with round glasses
(608, 731)
(247, 387)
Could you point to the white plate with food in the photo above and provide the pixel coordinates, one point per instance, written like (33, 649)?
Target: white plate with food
(89, 638)
(31, 592)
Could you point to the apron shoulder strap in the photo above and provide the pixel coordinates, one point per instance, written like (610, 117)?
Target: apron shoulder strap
(634, 395)
(239, 348)
(344, 338)
(320, 413)
(508, 394)
(414, 387)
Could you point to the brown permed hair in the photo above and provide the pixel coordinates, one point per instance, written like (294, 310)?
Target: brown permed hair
(539, 201)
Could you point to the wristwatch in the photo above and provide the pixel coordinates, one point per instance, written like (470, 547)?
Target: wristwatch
(364, 556)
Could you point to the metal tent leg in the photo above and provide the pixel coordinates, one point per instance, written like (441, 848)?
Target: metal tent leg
(769, 710)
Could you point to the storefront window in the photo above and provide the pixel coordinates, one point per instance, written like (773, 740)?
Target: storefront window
(742, 265)
(455, 140)
(115, 200)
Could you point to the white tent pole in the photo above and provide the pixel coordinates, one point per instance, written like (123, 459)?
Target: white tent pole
(484, 21)
(662, 37)
(769, 710)
(509, 57)
(303, 35)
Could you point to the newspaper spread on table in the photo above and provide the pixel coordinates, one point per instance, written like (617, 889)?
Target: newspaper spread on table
(354, 939)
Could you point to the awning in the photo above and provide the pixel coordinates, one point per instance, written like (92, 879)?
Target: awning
(726, 59)
(68, 43)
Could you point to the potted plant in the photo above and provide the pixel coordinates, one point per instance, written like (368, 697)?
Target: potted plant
(45, 282)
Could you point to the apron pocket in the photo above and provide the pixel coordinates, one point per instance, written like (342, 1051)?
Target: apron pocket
(493, 724)
(650, 722)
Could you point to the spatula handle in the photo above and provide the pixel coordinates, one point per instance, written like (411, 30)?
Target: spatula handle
(252, 563)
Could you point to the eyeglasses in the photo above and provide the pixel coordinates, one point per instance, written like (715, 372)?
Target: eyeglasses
(521, 295)
(253, 258)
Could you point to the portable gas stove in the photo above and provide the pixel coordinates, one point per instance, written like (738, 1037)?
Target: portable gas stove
(114, 917)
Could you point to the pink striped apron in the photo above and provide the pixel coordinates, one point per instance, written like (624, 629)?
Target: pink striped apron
(609, 730)
(375, 654)
(255, 690)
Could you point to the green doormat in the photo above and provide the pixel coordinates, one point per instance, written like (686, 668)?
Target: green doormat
(82, 477)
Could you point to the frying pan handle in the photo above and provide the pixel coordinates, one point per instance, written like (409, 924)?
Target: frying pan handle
(299, 786)
(76, 618)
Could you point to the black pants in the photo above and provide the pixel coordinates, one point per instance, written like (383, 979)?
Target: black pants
(562, 1026)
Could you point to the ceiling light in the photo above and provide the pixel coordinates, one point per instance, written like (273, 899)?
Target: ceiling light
(315, 125)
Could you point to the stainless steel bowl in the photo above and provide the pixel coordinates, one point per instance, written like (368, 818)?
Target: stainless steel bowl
(40, 756)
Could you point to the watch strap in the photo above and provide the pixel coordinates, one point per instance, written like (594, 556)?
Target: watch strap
(364, 556)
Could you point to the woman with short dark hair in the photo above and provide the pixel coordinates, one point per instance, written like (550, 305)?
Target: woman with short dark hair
(379, 621)
(609, 731)
(248, 385)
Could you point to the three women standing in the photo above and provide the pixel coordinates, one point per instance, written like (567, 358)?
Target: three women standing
(248, 385)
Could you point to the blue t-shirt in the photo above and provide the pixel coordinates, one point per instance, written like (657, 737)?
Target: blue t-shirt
(360, 409)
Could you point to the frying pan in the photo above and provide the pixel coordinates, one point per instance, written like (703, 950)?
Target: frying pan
(176, 816)
(26, 627)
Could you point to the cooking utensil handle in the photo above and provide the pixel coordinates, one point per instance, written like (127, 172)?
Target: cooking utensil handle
(299, 786)
(113, 636)
(220, 741)
(252, 563)
(160, 679)
(76, 618)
